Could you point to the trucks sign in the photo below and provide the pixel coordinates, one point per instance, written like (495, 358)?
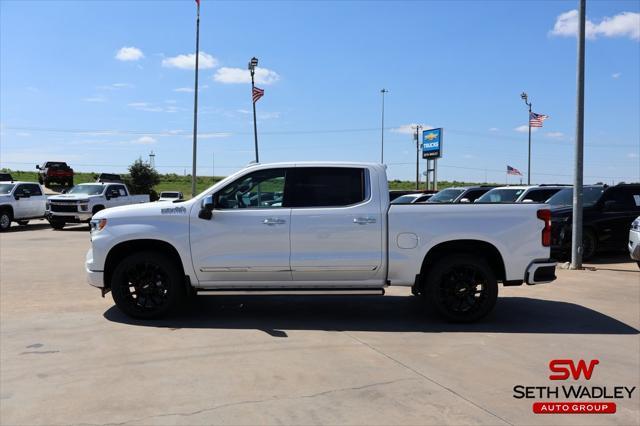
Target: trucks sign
(432, 143)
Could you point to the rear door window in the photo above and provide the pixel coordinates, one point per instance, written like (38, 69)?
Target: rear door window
(325, 187)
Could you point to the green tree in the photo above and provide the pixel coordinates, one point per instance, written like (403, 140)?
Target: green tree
(142, 179)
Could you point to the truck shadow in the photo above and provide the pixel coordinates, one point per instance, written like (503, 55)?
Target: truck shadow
(274, 314)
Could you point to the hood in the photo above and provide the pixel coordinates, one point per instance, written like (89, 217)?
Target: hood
(69, 197)
(146, 209)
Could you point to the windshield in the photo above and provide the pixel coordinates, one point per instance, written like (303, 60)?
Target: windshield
(87, 189)
(5, 188)
(507, 195)
(564, 197)
(445, 196)
(169, 195)
(404, 199)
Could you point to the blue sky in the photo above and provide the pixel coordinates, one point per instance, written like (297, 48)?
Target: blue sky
(68, 90)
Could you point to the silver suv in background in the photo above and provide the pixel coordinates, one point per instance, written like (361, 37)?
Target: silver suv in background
(520, 194)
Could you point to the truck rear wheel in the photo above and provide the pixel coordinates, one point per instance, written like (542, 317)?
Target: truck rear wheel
(462, 288)
(147, 285)
(5, 220)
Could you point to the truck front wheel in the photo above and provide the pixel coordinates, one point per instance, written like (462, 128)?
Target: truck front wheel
(147, 285)
(462, 288)
(56, 224)
(5, 220)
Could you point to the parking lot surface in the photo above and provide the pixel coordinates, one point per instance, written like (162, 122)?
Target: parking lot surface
(69, 357)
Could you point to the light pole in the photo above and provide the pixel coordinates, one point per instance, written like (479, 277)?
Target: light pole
(418, 127)
(253, 63)
(383, 91)
(576, 231)
(525, 98)
(195, 108)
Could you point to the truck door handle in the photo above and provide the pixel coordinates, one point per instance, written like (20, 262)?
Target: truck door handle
(363, 220)
(273, 221)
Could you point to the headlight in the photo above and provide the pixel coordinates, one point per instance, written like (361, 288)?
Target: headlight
(84, 207)
(48, 206)
(97, 225)
(635, 225)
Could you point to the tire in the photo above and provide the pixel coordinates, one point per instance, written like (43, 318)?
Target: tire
(450, 283)
(147, 285)
(589, 245)
(5, 220)
(40, 181)
(70, 182)
(23, 222)
(57, 224)
(46, 182)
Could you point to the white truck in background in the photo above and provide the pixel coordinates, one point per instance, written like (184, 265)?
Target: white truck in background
(20, 202)
(86, 199)
(309, 228)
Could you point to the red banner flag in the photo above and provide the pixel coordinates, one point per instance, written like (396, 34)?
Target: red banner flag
(198, 1)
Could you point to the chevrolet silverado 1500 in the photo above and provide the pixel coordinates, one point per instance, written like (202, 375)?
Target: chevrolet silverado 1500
(314, 228)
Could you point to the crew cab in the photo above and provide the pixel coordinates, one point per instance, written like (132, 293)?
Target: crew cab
(310, 228)
(607, 215)
(20, 202)
(55, 171)
(84, 200)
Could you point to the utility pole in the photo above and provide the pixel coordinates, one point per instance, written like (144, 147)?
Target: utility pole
(576, 231)
(195, 108)
(525, 98)
(152, 160)
(383, 91)
(213, 167)
(418, 128)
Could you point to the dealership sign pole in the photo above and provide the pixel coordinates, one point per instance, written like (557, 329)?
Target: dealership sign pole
(576, 232)
(432, 150)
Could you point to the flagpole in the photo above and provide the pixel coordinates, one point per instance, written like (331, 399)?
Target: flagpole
(253, 63)
(195, 107)
(529, 159)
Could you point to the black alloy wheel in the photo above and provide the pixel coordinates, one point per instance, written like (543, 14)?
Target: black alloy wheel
(146, 285)
(462, 288)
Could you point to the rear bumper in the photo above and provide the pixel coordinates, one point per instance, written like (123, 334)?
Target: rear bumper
(541, 272)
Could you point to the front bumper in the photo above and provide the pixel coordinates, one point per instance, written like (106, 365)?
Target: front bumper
(72, 217)
(541, 272)
(634, 245)
(94, 278)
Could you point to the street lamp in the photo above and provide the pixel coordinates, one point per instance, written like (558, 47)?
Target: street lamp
(253, 64)
(383, 91)
(525, 98)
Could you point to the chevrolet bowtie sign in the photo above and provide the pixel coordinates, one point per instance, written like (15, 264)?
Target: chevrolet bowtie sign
(432, 143)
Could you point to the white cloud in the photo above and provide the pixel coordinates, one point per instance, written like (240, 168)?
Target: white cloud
(149, 107)
(144, 140)
(213, 135)
(243, 111)
(525, 128)
(410, 129)
(632, 155)
(228, 75)
(116, 86)
(95, 99)
(190, 89)
(493, 129)
(624, 24)
(555, 135)
(129, 54)
(616, 75)
(23, 134)
(188, 62)
(268, 115)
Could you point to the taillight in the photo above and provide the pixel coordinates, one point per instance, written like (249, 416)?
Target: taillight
(545, 215)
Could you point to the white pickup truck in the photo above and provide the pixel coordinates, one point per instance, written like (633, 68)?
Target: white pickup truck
(312, 228)
(19, 202)
(85, 200)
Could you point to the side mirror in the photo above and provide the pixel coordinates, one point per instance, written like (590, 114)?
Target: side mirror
(38, 166)
(465, 200)
(206, 208)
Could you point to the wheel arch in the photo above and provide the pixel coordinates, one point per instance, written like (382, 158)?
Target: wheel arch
(120, 251)
(478, 248)
(97, 208)
(9, 208)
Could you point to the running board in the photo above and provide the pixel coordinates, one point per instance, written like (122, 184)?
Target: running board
(295, 291)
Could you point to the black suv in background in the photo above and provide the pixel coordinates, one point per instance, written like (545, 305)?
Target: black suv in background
(607, 216)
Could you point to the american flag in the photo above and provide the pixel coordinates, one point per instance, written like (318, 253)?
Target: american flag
(257, 94)
(513, 171)
(535, 120)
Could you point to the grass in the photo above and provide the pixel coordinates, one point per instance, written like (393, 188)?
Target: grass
(174, 182)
